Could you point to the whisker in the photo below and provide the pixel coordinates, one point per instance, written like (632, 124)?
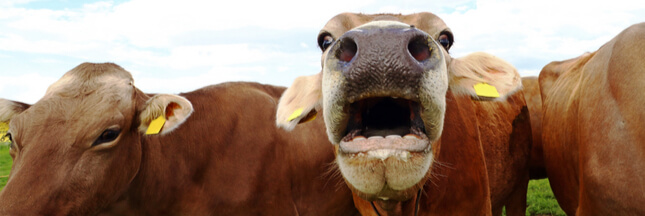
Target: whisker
(333, 176)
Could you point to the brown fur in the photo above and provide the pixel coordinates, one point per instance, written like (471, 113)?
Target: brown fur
(228, 158)
(592, 128)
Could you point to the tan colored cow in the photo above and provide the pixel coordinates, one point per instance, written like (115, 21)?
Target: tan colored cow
(592, 134)
(408, 136)
(82, 150)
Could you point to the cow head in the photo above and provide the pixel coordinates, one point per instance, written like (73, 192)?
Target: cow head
(382, 91)
(77, 149)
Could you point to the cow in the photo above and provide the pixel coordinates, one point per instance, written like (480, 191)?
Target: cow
(97, 145)
(592, 127)
(411, 131)
(533, 98)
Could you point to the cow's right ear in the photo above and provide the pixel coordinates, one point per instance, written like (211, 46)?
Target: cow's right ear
(299, 102)
(483, 77)
(164, 113)
(9, 109)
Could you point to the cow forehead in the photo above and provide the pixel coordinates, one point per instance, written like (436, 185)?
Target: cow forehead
(88, 93)
(425, 21)
(93, 79)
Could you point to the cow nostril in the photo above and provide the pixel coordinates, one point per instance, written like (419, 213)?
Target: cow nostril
(347, 50)
(419, 48)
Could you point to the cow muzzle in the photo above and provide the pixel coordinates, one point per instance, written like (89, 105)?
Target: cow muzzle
(384, 86)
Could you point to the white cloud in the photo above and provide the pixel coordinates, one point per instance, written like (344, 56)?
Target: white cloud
(8, 3)
(27, 88)
(159, 84)
(187, 44)
(529, 72)
(540, 31)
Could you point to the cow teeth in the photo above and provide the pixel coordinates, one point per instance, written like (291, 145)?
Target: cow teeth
(393, 137)
(359, 138)
(410, 136)
(375, 137)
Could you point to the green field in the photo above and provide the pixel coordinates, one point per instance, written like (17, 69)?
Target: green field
(5, 163)
(540, 198)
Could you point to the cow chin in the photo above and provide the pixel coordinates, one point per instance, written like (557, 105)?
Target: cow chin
(385, 174)
(384, 150)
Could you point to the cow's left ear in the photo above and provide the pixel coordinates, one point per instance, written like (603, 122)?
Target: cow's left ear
(299, 102)
(9, 109)
(483, 76)
(163, 113)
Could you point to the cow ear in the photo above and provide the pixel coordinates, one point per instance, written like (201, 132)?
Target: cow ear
(9, 109)
(164, 113)
(299, 102)
(483, 76)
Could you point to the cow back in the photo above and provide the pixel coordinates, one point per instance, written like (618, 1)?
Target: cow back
(229, 158)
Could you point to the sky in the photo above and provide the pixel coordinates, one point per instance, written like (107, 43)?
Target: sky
(179, 46)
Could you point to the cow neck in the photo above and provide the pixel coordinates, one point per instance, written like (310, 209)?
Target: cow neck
(416, 205)
(156, 172)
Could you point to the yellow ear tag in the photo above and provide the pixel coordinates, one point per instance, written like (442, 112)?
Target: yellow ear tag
(485, 90)
(156, 125)
(295, 114)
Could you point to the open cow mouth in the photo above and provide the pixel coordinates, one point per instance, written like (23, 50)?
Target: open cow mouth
(384, 125)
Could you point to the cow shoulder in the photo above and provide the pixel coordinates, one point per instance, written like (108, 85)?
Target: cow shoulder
(554, 70)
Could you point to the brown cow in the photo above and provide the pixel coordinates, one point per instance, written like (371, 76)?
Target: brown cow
(406, 132)
(81, 150)
(531, 89)
(593, 140)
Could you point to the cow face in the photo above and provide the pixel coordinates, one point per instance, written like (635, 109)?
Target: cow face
(382, 91)
(76, 150)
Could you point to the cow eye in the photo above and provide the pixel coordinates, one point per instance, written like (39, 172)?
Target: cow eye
(8, 136)
(108, 135)
(445, 39)
(324, 41)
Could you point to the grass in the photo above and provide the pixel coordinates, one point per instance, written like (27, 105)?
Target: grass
(5, 163)
(540, 199)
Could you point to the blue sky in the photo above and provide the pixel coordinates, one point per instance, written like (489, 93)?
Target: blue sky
(179, 46)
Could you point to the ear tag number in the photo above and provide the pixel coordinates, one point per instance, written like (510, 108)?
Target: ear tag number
(156, 125)
(485, 90)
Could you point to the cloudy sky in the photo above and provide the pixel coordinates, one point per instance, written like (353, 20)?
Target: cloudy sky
(178, 46)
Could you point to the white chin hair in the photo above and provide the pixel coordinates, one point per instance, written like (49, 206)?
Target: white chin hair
(370, 172)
